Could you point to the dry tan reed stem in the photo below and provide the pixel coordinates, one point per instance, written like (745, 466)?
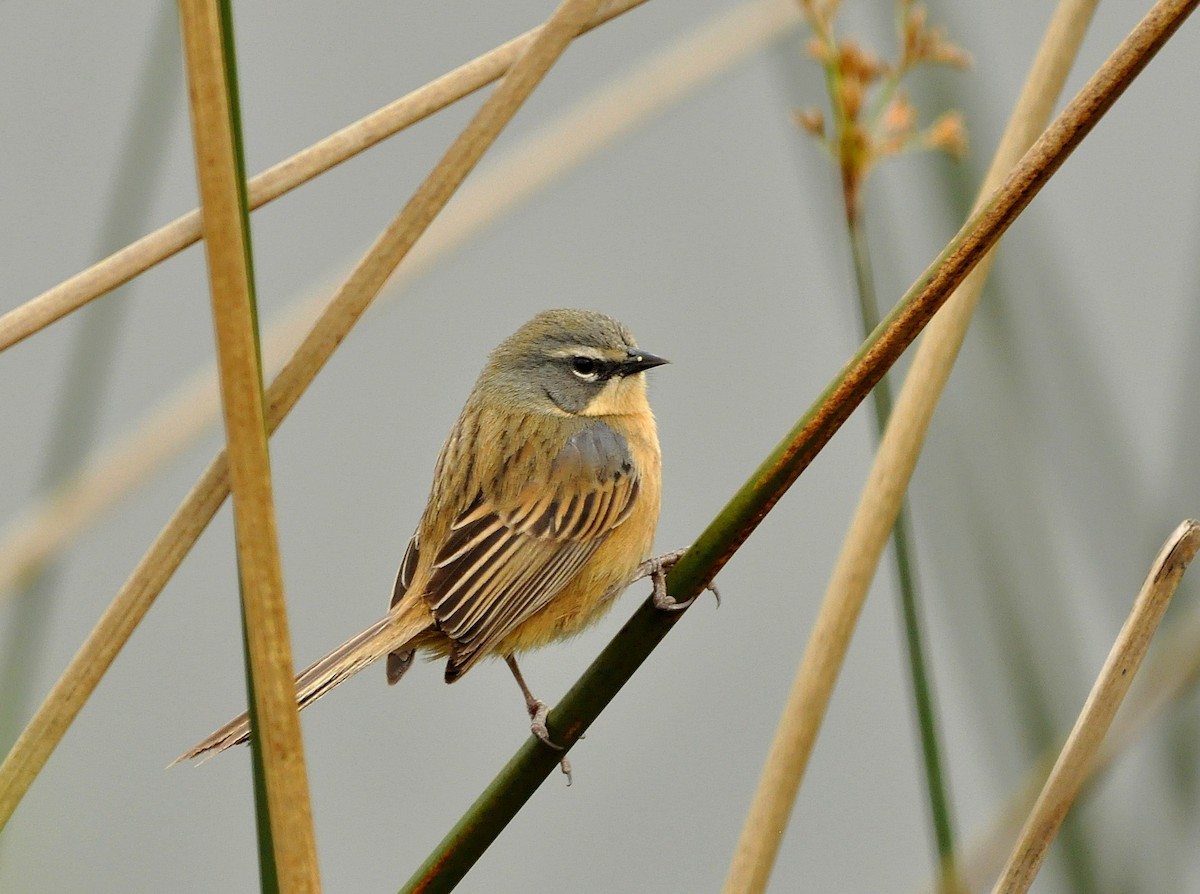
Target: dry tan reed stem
(52, 718)
(268, 643)
(1073, 764)
(1170, 673)
(51, 522)
(883, 494)
(137, 257)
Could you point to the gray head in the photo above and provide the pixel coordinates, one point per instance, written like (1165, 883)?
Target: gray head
(577, 362)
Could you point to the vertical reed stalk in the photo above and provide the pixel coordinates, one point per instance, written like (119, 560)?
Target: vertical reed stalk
(287, 843)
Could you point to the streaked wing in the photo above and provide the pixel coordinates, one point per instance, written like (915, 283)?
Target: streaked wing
(504, 561)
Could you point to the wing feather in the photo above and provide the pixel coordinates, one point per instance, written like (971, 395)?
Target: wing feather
(399, 662)
(507, 558)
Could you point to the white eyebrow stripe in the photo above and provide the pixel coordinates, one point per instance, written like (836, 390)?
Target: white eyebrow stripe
(582, 351)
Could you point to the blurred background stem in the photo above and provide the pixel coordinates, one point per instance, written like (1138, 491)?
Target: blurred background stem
(90, 364)
(872, 120)
(940, 811)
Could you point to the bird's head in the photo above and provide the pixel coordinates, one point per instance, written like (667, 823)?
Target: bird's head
(573, 362)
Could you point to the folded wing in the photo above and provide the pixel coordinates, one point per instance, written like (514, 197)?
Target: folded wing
(505, 560)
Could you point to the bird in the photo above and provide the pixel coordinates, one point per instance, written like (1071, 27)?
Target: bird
(543, 509)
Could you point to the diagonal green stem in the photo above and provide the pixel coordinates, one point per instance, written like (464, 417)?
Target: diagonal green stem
(514, 785)
(940, 811)
(534, 761)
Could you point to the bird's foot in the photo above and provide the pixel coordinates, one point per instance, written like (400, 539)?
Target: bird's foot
(538, 710)
(656, 569)
(537, 717)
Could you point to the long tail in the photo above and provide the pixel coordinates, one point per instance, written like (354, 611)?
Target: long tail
(387, 635)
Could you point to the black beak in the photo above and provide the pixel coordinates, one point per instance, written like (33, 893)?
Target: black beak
(639, 361)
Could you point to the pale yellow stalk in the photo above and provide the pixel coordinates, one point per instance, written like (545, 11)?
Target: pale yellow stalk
(268, 644)
(1171, 672)
(1074, 762)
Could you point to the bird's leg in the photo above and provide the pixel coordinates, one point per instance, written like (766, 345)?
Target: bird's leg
(537, 714)
(535, 706)
(656, 569)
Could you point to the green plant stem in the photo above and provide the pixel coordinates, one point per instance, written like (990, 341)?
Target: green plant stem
(534, 761)
(266, 825)
(268, 869)
(1026, 682)
(940, 811)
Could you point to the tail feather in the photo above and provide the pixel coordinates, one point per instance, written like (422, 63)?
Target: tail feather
(384, 636)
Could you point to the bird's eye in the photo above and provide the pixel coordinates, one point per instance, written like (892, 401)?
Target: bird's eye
(587, 368)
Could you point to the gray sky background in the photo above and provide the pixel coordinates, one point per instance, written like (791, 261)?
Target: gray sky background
(1062, 456)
